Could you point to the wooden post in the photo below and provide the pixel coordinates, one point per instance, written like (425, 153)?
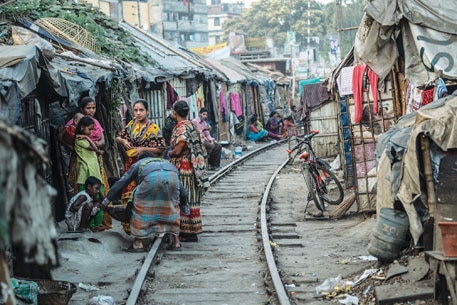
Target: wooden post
(430, 187)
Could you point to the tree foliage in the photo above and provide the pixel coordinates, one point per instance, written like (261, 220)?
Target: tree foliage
(351, 15)
(113, 40)
(274, 18)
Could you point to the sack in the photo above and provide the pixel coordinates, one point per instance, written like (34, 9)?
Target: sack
(121, 213)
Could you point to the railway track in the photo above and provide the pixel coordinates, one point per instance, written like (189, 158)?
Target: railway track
(228, 265)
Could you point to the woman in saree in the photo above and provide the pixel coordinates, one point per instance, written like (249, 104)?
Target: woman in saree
(138, 136)
(188, 154)
(87, 107)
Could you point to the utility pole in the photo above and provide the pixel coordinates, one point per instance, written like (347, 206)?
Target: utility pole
(292, 51)
(338, 22)
(308, 50)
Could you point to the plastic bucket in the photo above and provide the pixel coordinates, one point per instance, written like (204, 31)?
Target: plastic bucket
(449, 238)
(389, 236)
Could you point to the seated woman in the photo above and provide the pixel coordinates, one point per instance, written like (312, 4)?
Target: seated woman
(274, 125)
(255, 132)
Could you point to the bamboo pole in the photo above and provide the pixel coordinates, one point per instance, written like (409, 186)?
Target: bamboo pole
(430, 187)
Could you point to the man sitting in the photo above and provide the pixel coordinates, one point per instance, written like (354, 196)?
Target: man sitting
(212, 147)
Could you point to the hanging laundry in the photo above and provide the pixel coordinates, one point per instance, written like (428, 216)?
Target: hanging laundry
(172, 95)
(413, 97)
(235, 103)
(427, 96)
(344, 81)
(313, 95)
(193, 107)
(357, 88)
(223, 105)
(200, 95)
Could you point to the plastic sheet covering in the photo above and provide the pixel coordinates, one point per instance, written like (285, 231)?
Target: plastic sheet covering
(26, 197)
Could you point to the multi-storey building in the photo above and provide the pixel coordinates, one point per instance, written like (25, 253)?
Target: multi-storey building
(183, 21)
(218, 13)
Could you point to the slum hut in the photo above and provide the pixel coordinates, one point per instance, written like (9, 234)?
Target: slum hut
(48, 97)
(182, 75)
(27, 242)
(361, 122)
(242, 95)
(279, 98)
(406, 61)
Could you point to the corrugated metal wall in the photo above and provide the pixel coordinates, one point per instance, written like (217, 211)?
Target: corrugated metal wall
(325, 119)
(157, 104)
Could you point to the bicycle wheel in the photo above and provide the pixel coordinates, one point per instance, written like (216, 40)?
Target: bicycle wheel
(312, 188)
(330, 189)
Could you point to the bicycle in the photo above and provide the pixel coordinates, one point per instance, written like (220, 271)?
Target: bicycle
(323, 185)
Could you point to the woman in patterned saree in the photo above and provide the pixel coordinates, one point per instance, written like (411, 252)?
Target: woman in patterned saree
(189, 155)
(139, 135)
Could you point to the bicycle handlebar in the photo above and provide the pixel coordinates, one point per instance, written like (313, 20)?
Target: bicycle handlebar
(306, 139)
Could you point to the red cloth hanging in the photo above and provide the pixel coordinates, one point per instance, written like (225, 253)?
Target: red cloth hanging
(357, 79)
(374, 88)
(357, 88)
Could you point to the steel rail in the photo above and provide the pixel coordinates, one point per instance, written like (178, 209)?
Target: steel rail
(281, 293)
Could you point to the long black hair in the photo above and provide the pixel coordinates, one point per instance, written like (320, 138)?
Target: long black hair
(181, 108)
(142, 101)
(84, 122)
(84, 101)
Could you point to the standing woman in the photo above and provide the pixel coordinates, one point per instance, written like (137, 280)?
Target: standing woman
(189, 155)
(138, 136)
(88, 107)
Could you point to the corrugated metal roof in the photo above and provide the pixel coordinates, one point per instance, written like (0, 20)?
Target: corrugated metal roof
(232, 75)
(171, 59)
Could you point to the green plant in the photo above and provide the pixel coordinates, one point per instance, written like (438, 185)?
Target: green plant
(114, 41)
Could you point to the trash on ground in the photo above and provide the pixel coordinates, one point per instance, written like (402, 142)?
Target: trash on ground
(272, 243)
(367, 258)
(88, 287)
(349, 300)
(334, 286)
(366, 274)
(289, 285)
(101, 300)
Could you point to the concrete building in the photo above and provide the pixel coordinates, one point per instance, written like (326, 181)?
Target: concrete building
(218, 13)
(182, 21)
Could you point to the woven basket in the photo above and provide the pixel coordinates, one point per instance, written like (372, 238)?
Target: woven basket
(69, 31)
(54, 292)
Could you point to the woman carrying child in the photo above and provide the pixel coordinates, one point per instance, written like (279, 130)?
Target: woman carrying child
(88, 107)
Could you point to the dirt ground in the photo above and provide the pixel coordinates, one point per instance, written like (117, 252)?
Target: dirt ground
(331, 247)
